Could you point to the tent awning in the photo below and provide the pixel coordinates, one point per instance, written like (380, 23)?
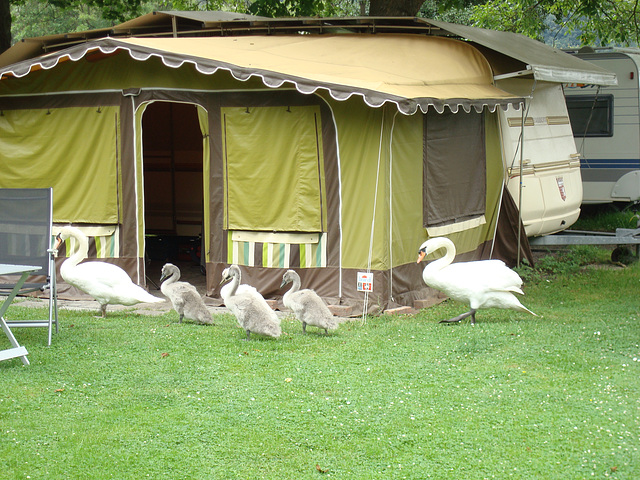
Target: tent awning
(542, 61)
(412, 71)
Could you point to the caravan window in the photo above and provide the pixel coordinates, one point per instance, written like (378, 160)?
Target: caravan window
(591, 115)
(274, 170)
(454, 171)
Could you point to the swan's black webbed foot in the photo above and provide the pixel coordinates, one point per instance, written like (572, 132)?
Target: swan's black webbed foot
(470, 313)
(451, 320)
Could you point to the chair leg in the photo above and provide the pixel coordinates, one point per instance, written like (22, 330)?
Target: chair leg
(50, 325)
(53, 296)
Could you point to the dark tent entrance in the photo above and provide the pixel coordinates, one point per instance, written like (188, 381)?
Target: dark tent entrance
(173, 190)
(197, 187)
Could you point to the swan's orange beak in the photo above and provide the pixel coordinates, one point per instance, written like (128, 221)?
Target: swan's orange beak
(58, 242)
(421, 255)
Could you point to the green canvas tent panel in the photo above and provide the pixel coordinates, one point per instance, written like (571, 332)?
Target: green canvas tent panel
(52, 141)
(330, 163)
(257, 156)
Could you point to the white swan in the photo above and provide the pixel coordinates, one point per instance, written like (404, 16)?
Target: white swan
(307, 306)
(249, 307)
(184, 297)
(107, 283)
(480, 284)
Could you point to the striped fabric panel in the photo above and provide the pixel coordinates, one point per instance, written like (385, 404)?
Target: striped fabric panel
(314, 255)
(99, 247)
(277, 255)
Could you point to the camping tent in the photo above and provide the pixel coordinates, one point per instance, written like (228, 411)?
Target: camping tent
(333, 154)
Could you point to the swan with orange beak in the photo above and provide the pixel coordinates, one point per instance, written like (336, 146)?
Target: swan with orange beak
(480, 284)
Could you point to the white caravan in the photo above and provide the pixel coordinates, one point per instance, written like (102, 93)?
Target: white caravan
(606, 127)
(548, 179)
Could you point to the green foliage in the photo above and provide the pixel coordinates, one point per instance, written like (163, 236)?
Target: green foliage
(516, 396)
(454, 12)
(596, 23)
(114, 11)
(35, 18)
(583, 22)
(292, 8)
(276, 8)
(210, 5)
(524, 17)
(572, 259)
(606, 218)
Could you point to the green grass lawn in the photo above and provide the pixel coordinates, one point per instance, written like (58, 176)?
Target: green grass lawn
(516, 396)
(606, 217)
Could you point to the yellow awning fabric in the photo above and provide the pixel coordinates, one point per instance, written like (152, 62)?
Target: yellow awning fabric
(412, 71)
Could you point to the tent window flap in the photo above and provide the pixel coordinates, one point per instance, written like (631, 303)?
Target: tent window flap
(454, 170)
(43, 148)
(274, 173)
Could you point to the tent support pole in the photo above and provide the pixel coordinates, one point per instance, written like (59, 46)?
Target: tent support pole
(520, 186)
(393, 124)
(373, 220)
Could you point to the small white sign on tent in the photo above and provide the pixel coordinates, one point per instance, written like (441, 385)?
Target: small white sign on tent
(365, 282)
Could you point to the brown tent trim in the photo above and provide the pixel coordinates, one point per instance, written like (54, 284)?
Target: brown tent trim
(27, 102)
(506, 239)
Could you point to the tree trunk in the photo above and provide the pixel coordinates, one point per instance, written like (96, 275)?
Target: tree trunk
(5, 25)
(394, 8)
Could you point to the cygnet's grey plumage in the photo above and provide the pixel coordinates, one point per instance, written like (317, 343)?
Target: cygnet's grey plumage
(249, 307)
(307, 306)
(184, 297)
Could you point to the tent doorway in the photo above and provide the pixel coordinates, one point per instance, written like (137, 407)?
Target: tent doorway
(173, 190)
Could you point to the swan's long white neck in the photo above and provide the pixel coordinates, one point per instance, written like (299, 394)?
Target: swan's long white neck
(442, 262)
(82, 249)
